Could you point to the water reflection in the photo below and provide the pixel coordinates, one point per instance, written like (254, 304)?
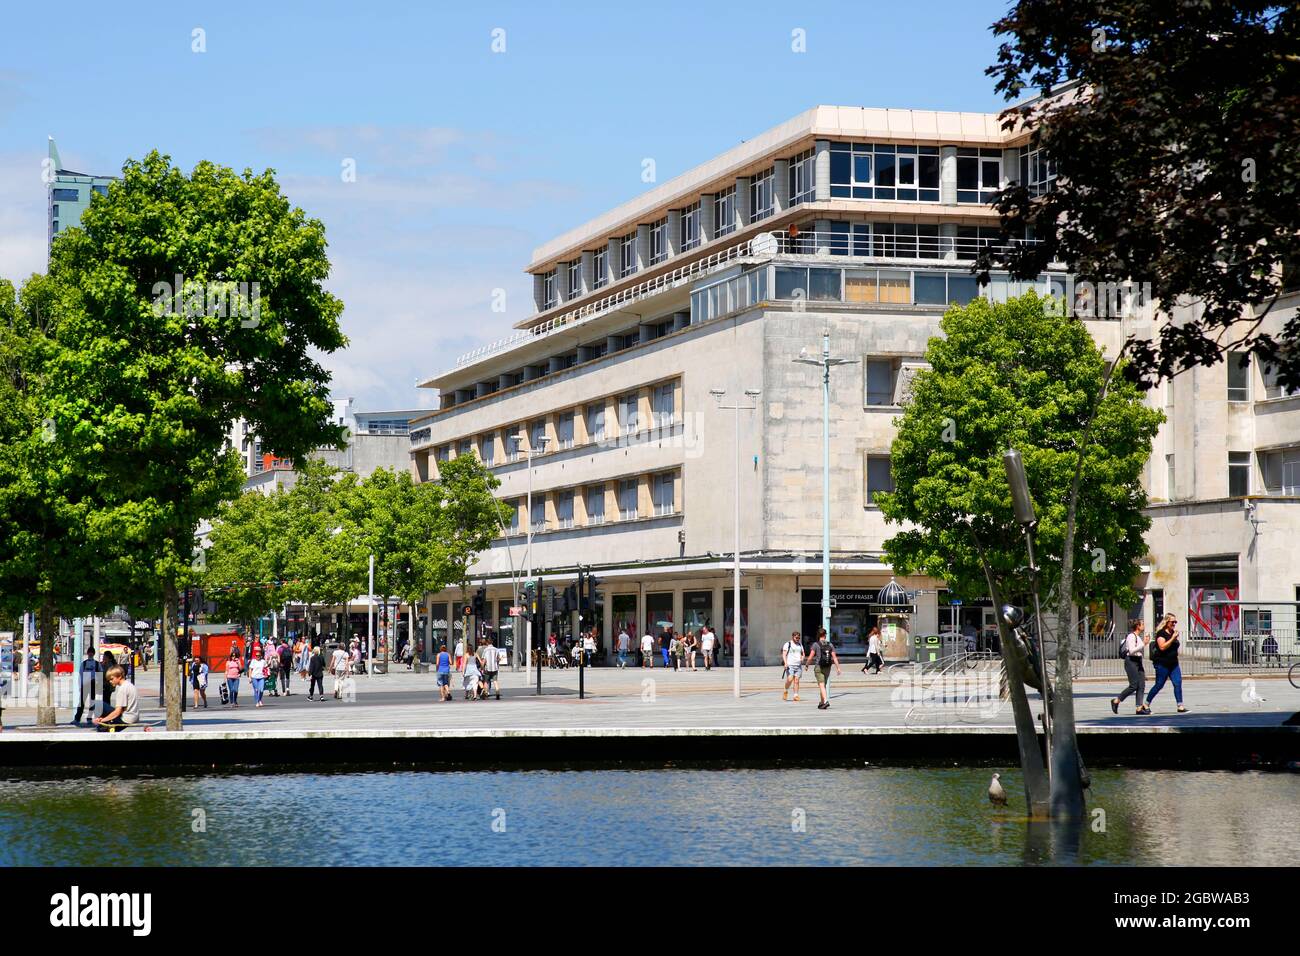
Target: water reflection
(871, 816)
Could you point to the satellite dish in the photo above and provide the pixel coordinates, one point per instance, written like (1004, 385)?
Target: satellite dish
(764, 244)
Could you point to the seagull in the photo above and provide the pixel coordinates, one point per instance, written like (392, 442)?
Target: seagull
(1251, 696)
(997, 796)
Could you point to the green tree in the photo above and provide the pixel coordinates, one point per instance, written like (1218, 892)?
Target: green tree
(1019, 375)
(245, 558)
(58, 553)
(187, 302)
(1177, 157)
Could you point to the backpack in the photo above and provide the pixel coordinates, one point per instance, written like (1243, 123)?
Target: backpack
(822, 654)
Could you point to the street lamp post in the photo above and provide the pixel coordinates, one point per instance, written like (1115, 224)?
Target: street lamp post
(825, 363)
(718, 393)
(528, 548)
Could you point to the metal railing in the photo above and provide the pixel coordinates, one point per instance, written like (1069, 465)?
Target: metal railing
(886, 247)
(965, 686)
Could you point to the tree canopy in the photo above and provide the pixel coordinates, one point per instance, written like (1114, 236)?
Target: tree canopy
(1177, 157)
(1018, 375)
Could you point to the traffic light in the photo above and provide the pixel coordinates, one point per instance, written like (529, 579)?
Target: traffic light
(550, 603)
(589, 592)
(480, 602)
(570, 599)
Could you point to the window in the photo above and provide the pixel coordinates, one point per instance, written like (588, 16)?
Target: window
(878, 285)
(816, 285)
(513, 526)
(513, 446)
(662, 492)
(595, 499)
(1238, 474)
(549, 301)
(573, 271)
(596, 422)
(724, 212)
(761, 198)
(979, 174)
(690, 227)
(67, 195)
(627, 492)
(600, 262)
(1281, 471)
(564, 429)
(879, 477)
(627, 256)
(488, 448)
(102, 190)
(537, 520)
(55, 213)
(659, 241)
(564, 509)
(627, 413)
(884, 171)
(1169, 477)
(466, 447)
(880, 381)
(537, 435)
(943, 288)
(730, 295)
(802, 174)
(1273, 387)
(662, 405)
(1037, 172)
(1238, 364)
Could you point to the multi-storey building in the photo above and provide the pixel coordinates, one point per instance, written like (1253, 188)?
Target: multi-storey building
(862, 222)
(68, 194)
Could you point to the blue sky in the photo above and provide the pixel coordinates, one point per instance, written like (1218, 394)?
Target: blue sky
(466, 159)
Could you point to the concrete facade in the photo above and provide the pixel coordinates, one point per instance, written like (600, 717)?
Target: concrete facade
(733, 314)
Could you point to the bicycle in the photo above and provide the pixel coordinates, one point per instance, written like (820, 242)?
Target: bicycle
(1293, 675)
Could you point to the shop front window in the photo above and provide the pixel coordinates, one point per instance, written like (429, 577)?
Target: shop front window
(697, 610)
(728, 616)
(659, 616)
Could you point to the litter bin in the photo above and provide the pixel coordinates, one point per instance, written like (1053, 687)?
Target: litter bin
(926, 648)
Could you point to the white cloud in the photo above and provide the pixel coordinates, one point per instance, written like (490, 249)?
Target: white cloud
(23, 216)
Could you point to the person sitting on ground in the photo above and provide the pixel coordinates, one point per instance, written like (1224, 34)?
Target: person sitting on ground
(126, 702)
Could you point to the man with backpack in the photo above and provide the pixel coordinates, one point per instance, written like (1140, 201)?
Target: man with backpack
(792, 657)
(821, 656)
(285, 654)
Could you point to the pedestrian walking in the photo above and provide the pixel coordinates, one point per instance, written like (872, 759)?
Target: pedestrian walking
(234, 668)
(647, 650)
(675, 650)
(821, 656)
(126, 702)
(316, 674)
(1164, 655)
(874, 658)
(460, 654)
(257, 671)
(86, 685)
(470, 680)
(792, 658)
(285, 657)
(622, 644)
(199, 681)
(665, 644)
(692, 643)
(589, 647)
(341, 669)
(707, 644)
(491, 667)
(1132, 651)
(444, 673)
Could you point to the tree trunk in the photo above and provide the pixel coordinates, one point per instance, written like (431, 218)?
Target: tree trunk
(1037, 793)
(170, 663)
(1067, 779)
(46, 714)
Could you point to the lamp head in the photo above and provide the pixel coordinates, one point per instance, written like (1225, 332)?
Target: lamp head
(1012, 615)
(753, 392)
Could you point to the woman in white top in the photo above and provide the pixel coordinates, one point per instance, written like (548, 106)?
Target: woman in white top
(471, 676)
(257, 674)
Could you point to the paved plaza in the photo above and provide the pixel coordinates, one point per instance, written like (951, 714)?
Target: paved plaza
(699, 700)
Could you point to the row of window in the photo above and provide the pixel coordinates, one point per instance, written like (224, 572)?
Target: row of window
(1238, 366)
(627, 498)
(889, 171)
(627, 421)
(1279, 471)
(893, 240)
